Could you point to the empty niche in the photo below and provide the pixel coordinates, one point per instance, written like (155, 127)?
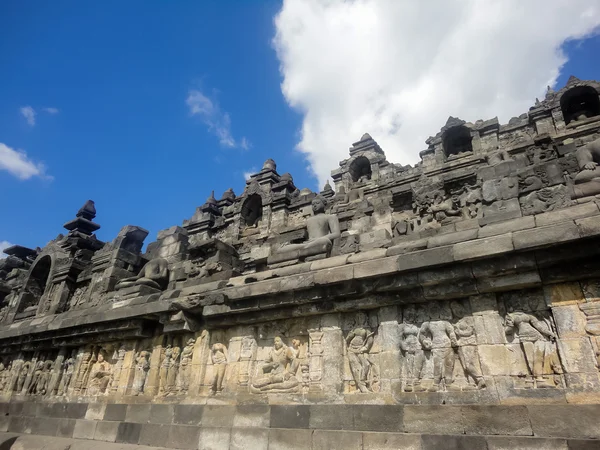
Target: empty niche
(360, 169)
(457, 140)
(252, 210)
(36, 284)
(580, 103)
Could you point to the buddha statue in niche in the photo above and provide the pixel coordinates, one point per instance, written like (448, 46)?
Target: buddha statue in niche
(587, 181)
(322, 229)
(154, 274)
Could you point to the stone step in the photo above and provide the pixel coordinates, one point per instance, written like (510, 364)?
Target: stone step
(286, 439)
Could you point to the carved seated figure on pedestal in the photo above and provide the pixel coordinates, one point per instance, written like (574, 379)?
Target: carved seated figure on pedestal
(154, 274)
(279, 370)
(322, 230)
(587, 181)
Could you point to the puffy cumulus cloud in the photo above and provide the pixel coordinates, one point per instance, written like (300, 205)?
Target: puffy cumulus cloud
(17, 163)
(29, 113)
(217, 121)
(3, 245)
(398, 68)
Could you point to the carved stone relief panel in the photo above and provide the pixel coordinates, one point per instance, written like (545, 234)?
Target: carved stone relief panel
(362, 373)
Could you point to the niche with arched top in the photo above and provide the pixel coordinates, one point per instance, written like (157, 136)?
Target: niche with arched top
(457, 140)
(252, 210)
(35, 286)
(579, 103)
(360, 169)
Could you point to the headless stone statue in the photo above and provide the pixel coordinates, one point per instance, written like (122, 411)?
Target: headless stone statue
(587, 181)
(322, 229)
(154, 274)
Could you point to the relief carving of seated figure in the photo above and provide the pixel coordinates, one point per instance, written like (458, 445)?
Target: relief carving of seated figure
(278, 371)
(587, 181)
(322, 229)
(154, 274)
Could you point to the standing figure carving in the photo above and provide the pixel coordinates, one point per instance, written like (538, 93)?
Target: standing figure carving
(414, 359)
(277, 370)
(536, 341)
(164, 370)
(467, 347)
(359, 342)
(4, 376)
(22, 378)
(185, 366)
(100, 375)
(117, 369)
(219, 360)
(142, 365)
(68, 370)
(439, 335)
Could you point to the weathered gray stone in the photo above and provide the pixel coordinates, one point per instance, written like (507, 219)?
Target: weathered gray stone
(525, 443)
(518, 224)
(565, 420)
(382, 441)
(249, 439)
(183, 436)
(483, 247)
(336, 440)
(288, 439)
(433, 419)
(106, 431)
(290, 416)
(552, 234)
(84, 429)
(128, 433)
(434, 442)
(495, 419)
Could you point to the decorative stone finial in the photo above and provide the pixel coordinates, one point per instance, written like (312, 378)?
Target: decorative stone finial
(269, 165)
(366, 137)
(211, 200)
(327, 186)
(87, 211)
(287, 177)
(228, 195)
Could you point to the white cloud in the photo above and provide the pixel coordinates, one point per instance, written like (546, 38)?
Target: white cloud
(51, 110)
(29, 113)
(398, 68)
(17, 163)
(249, 173)
(217, 121)
(4, 245)
(245, 144)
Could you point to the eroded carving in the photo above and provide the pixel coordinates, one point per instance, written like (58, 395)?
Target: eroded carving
(278, 370)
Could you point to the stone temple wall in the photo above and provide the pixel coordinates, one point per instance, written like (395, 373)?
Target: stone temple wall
(456, 299)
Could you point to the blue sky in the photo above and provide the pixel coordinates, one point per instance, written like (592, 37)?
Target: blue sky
(147, 106)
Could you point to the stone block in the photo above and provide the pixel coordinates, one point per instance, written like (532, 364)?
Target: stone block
(288, 439)
(407, 246)
(589, 226)
(65, 428)
(508, 226)
(128, 433)
(188, 414)
(84, 429)
(549, 235)
(496, 419)
(437, 442)
(154, 434)
(567, 214)
(218, 415)
(161, 413)
(391, 441)
(582, 444)
(258, 416)
(577, 355)
(212, 438)
(331, 417)
(561, 294)
(568, 421)
(183, 436)
(337, 275)
(377, 267)
(525, 443)
(336, 440)
(46, 426)
(425, 258)
(290, 416)
(367, 256)
(106, 431)
(523, 280)
(138, 413)
(452, 238)
(116, 412)
(570, 321)
(433, 419)
(249, 439)
(19, 425)
(95, 411)
(483, 247)
(388, 418)
(328, 263)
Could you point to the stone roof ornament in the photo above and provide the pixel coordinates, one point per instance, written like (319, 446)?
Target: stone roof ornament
(228, 195)
(365, 143)
(269, 165)
(572, 81)
(83, 221)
